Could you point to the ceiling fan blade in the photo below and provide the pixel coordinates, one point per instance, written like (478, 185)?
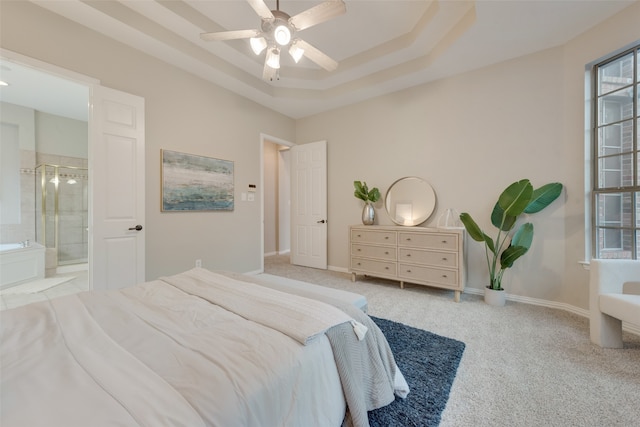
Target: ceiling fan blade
(229, 35)
(318, 14)
(261, 9)
(317, 56)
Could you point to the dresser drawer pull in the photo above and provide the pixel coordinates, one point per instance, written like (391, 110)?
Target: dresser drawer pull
(386, 237)
(359, 250)
(386, 252)
(386, 268)
(444, 259)
(359, 235)
(408, 255)
(444, 275)
(408, 271)
(408, 239)
(359, 264)
(444, 241)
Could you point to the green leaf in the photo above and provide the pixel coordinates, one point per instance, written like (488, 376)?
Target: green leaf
(523, 236)
(510, 255)
(497, 215)
(500, 220)
(515, 198)
(374, 195)
(359, 192)
(472, 228)
(543, 197)
(520, 244)
(475, 232)
(489, 242)
(362, 192)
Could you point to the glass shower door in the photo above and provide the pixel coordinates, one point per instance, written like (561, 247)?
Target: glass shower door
(73, 219)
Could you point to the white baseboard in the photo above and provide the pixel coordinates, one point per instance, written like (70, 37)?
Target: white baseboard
(338, 269)
(533, 301)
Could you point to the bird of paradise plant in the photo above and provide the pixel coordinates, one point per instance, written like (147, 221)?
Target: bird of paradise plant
(517, 199)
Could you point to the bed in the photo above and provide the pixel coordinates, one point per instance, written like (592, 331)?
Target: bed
(199, 348)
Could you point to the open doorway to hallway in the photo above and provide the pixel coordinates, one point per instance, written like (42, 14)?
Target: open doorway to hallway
(276, 198)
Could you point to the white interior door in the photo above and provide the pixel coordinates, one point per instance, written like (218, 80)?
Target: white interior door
(117, 156)
(309, 204)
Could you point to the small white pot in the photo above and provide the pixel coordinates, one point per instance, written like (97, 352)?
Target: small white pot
(494, 297)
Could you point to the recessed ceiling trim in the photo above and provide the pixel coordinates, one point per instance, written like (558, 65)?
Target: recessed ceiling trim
(390, 73)
(409, 42)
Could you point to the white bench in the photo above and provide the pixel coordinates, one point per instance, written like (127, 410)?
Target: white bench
(610, 300)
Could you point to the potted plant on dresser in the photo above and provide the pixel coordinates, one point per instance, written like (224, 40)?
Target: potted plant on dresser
(369, 197)
(517, 199)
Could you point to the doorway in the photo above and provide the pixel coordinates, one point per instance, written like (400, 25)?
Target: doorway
(49, 110)
(276, 196)
(115, 133)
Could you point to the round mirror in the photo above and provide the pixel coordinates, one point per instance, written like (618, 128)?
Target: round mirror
(410, 201)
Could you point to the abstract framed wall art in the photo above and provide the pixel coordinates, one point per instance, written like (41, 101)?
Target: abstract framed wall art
(196, 183)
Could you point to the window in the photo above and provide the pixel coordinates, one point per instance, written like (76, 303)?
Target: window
(616, 131)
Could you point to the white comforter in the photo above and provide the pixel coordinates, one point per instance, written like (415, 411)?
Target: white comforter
(182, 351)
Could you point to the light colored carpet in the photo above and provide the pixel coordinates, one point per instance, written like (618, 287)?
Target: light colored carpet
(523, 365)
(36, 286)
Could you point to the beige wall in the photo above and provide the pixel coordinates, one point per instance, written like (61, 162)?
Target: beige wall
(61, 135)
(472, 135)
(183, 113)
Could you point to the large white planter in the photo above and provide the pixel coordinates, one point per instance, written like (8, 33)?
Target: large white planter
(494, 297)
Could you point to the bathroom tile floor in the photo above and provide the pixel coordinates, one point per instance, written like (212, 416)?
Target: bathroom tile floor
(79, 283)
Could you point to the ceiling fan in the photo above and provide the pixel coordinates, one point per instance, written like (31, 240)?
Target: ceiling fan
(278, 30)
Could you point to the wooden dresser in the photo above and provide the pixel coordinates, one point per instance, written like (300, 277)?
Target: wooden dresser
(425, 256)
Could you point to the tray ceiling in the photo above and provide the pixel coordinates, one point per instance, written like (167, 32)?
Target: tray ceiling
(381, 46)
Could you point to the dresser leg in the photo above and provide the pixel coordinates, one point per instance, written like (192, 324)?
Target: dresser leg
(456, 296)
(401, 284)
(353, 277)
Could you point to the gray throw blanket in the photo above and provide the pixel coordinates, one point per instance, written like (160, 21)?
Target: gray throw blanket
(367, 368)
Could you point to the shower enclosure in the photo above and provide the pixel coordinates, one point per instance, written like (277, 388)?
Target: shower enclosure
(62, 217)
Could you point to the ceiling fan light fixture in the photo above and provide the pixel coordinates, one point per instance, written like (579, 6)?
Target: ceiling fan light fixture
(296, 52)
(270, 74)
(273, 58)
(258, 44)
(278, 30)
(282, 35)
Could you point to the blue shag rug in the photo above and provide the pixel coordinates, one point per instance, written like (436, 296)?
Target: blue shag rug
(429, 363)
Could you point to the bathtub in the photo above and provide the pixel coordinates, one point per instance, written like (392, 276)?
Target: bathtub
(19, 264)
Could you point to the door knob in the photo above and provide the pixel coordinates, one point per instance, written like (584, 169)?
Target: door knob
(137, 228)
(322, 221)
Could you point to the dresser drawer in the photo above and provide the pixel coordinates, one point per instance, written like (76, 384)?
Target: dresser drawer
(369, 251)
(435, 240)
(425, 274)
(434, 258)
(378, 237)
(373, 267)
